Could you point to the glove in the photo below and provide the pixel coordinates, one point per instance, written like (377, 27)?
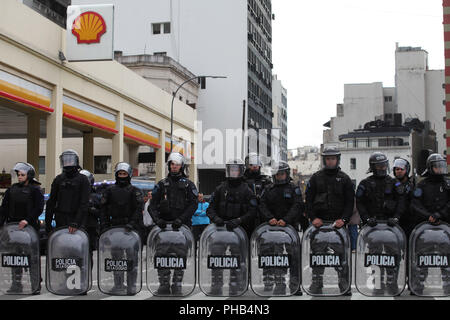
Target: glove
(177, 224)
(234, 223)
(161, 223)
(436, 216)
(218, 221)
(392, 222)
(371, 222)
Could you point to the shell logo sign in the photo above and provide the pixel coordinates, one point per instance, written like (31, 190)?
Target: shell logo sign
(90, 32)
(89, 27)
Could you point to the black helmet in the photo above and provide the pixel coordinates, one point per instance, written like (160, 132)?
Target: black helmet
(69, 158)
(378, 164)
(403, 164)
(177, 158)
(89, 175)
(28, 169)
(235, 169)
(438, 162)
(123, 166)
(331, 151)
(280, 167)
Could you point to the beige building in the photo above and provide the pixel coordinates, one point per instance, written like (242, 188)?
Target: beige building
(97, 108)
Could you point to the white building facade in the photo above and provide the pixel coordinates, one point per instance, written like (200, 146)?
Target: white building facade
(279, 109)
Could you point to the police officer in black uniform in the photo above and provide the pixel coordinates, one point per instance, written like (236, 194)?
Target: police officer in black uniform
(69, 195)
(174, 201)
(256, 181)
(23, 203)
(381, 197)
(232, 204)
(93, 217)
(431, 202)
(329, 196)
(122, 205)
(281, 203)
(401, 169)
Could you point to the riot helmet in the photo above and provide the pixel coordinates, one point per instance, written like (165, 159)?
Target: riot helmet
(331, 151)
(280, 168)
(89, 175)
(436, 165)
(402, 164)
(235, 169)
(123, 166)
(69, 158)
(26, 168)
(378, 164)
(178, 158)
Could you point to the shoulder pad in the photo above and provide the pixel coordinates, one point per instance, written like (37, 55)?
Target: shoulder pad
(418, 192)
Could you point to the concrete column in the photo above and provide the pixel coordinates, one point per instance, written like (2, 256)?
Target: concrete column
(117, 143)
(33, 135)
(88, 151)
(161, 157)
(133, 155)
(54, 138)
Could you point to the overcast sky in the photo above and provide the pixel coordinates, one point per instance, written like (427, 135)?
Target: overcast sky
(318, 46)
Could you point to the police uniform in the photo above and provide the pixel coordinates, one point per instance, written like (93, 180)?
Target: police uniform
(329, 197)
(382, 198)
(280, 201)
(431, 197)
(234, 204)
(22, 202)
(174, 200)
(257, 183)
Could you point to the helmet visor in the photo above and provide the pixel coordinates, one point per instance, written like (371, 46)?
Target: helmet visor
(22, 167)
(68, 160)
(122, 166)
(438, 167)
(234, 171)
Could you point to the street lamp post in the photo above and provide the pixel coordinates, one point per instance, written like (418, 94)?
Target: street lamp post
(173, 98)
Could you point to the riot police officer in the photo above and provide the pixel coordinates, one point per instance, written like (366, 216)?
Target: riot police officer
(281, 203)
(401, 170)
(93, 217)
(122, 205)
(256, 181)
(330, 197)
(232, 204)
(69, 195)
(174, 201)
(23, 203)
(431, 202)
(381, 197)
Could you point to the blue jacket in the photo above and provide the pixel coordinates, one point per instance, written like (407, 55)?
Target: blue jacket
(200, 216)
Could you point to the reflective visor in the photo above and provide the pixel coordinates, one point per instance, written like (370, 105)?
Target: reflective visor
(68, 160)
(22, 167)
(439, 167)
(400, 163)
(234, 171)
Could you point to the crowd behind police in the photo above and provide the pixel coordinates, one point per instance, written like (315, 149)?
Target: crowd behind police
(247, 198)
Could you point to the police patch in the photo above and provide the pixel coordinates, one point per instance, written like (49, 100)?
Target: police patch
(418, 193)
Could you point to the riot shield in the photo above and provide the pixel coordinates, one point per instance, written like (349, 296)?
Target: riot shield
(429, 255)
(119, 262)
(326, 260)
(68, 268)
(223, 261)
(20, 272)
(381, 260)
(170, 261)
(275, 261)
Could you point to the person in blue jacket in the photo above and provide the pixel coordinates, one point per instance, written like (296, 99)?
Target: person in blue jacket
(200, 220)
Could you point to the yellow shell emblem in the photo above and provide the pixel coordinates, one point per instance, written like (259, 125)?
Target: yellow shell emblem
(88, 27)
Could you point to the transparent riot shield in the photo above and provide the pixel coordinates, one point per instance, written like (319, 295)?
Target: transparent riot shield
(381, 260)
(20, 272)
(119, 262)
(326, 260)
(223, 261)
(275, 260)
(171, 261)
(68, 270)
(429, 255)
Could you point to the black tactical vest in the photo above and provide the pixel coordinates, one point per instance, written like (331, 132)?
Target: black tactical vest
(329, 200)
(21, 202)
(280, 199)
(381, 197)
(69, 194)
(232, 203)
(120, 206)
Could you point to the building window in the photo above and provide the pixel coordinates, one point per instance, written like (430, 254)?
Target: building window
(102, 164)
(156, 28)
(41, 165)
(353, 163)
(160, 53)
(167, 27)
(388, 99)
